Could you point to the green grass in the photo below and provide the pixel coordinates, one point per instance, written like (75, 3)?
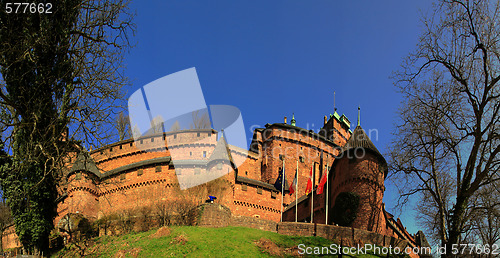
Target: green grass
(201, 242)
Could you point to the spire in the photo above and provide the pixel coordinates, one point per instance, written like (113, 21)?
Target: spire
(334, 107)
(359, 108)
(293, 119)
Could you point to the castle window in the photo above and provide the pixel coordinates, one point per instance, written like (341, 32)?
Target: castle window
(190, 153)
(140, 171)
(175, 136)
(198, 135)
(78, 176)
(158, 169)
(246, 173)
(121, 147)
(219, 166)
(152, 139)
(243, 187)
(110, 149)
(204, 154)
(141, 141)
(273, 194)
(259, 190)
(122, 177)
(131, 144)
(302, 159)
(209, 134)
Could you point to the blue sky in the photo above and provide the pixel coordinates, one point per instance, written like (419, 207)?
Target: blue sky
(274, 58)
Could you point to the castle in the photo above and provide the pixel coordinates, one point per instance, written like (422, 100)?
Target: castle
(124, 176)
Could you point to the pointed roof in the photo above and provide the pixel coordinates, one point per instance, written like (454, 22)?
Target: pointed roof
(220, 151)
(84, 162)
(359, 139)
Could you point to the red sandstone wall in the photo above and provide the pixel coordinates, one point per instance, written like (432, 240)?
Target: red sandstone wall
(294, 145)
(10, 239)
(363, 176)
(256, 202)
(140, 186)
(251, 167)
(336, 131)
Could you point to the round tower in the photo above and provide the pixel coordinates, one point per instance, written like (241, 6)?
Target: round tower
(82, 192)
(361, 170)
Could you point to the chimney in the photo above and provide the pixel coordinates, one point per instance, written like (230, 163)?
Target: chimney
(285, 119)
(325, 120)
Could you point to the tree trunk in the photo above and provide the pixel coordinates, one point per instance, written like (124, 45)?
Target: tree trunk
(456, 225)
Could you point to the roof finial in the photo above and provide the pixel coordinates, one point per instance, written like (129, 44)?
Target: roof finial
(359, 108)
(293, 119)
(334, 107)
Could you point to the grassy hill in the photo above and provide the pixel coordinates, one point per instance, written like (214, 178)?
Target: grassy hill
(195, 242)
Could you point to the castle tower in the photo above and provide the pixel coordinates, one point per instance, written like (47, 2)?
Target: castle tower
(361, 169)
(220, 166)
(82, 192)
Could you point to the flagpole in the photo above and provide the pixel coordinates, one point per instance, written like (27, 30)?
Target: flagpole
(296, 188)
(282, 187)
(327, 193)
(312, 194)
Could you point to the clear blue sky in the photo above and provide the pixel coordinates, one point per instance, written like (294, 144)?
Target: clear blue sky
(272, 58)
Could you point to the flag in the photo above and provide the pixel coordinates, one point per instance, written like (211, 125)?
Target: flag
(310, 182)
(292, 186)
(279, 181)
(322, 182)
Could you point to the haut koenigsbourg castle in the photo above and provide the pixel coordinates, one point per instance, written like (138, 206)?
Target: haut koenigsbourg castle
(133, 174)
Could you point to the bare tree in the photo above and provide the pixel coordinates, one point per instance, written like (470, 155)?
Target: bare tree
(422, 155)
(175, 127)
(157, 125)
(485, 215)
(200, 122)
(123, 126)
(447, 143)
